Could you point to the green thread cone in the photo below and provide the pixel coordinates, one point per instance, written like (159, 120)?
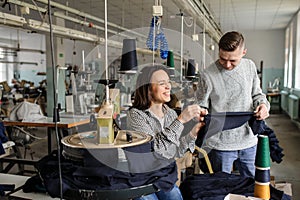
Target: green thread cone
(170, 59)
(262, 158)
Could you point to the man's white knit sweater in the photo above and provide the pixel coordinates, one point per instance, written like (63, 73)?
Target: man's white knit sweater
(236, 90)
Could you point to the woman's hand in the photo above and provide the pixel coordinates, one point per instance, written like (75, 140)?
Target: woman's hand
(190, 112)
(194, 132)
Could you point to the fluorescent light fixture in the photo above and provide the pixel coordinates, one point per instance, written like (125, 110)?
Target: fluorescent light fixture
(12, 20)
(59, 30)
(69, 33)
(195, 37)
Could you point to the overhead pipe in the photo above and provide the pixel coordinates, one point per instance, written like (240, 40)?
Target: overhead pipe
(65, 32)
(196, 11)
(74, 11)
(62, 16)
(88, 16)
(18, 62)
(215, 30)
(209, 16)
(22, 49)
(212, 28)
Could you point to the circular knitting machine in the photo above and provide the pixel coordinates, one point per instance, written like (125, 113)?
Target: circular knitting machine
(77, 145)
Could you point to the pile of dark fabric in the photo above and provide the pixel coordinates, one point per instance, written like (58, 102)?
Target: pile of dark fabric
(260, 127)
(217, 186)
(95, 176)
(3, 138)
(5, 188)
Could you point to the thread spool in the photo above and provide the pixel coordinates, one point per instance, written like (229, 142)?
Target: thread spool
(262, 175)
(262, 158)
(129, 57)
(170, 59)
(170, 63)
(191, 69)
(262, 190)
(262, 171)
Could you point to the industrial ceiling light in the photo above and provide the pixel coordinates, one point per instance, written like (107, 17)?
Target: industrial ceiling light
(11, 19)
(211, 46)
(37, 25)
(195, 37)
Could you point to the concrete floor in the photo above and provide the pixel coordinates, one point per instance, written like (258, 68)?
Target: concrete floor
(286, 131)
(288, 135)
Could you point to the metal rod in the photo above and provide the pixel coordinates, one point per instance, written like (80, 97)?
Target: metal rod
(106, 56)
(181, 46)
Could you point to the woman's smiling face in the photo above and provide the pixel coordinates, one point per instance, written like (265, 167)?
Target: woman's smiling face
(160, 87)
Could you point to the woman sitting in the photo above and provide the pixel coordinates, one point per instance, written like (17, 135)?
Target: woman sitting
(150, 114)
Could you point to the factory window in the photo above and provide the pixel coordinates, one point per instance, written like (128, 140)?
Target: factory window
(6, 65)
(288, 65)
(2, 65)
(2, 53)
(297, 53)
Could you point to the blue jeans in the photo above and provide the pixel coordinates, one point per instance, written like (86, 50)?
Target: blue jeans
(245, 161)
(173, 194)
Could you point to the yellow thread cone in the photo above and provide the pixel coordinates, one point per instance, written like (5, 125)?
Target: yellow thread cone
(262, 190)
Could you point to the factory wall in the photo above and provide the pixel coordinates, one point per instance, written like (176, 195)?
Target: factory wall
(28, 60)
(268, 47)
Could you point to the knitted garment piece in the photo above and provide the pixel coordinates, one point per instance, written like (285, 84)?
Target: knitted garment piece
(218, 122)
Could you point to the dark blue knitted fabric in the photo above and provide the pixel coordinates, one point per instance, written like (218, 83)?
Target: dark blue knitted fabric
(216, 186)
(91, 174)
(217, 122)
(6, 187)
(3, 137)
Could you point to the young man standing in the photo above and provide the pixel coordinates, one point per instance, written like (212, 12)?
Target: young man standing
(231, 84)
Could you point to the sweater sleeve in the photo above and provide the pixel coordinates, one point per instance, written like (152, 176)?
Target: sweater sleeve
(186, 142)
(204, 89)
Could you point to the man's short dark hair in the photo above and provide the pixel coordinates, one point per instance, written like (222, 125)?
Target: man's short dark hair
(230, 41)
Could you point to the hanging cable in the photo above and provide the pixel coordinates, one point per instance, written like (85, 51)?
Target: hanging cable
(189, 25)
(153, 40)
(55, 110)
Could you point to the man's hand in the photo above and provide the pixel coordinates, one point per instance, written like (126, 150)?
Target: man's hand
(261, 112)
